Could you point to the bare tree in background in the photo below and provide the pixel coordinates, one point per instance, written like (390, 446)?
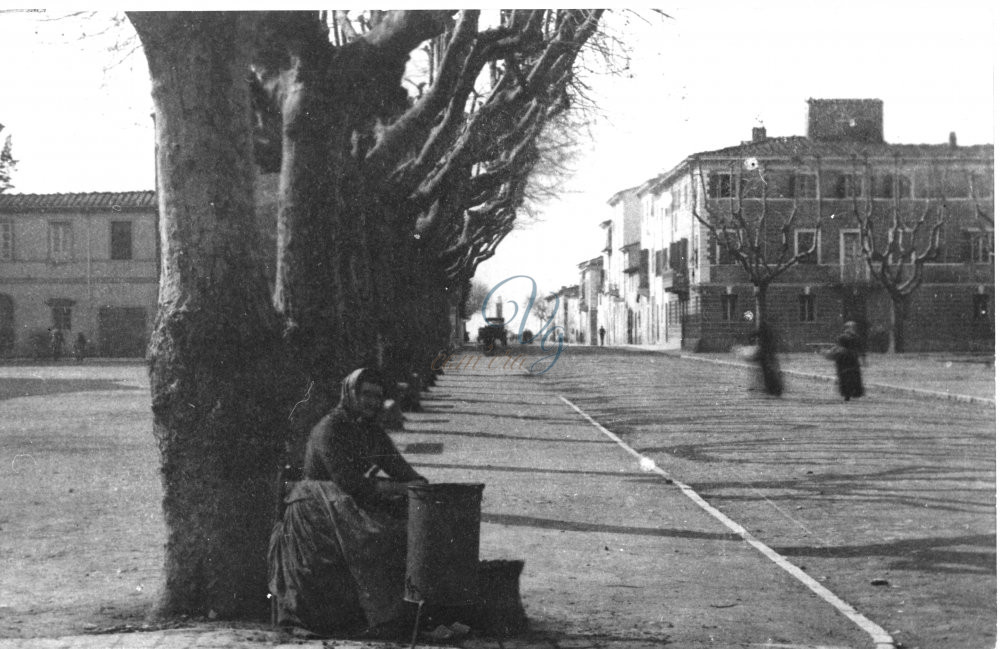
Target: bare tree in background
(477, 293)
(897, 244)
(984, 214)
(761, 241)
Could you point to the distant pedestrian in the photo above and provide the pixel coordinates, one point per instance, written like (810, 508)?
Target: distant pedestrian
(80, 347)
(845, 355)
(601, 333)
(765, 355)
(56, 340)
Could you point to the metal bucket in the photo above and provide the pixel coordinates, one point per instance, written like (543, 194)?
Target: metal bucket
(442, 546)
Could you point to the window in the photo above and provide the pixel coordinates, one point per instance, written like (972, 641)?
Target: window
(980, 246)
(723, 255)
(840, 185)
(804, 241)
(803, 186)
(723, 185)
(62, 317)
(719, 185)
(60, 241)
(807, 308)
(778, 185)
(677, 258)
(884, 186)
(729, 307)
(121, 239)
(6, 241)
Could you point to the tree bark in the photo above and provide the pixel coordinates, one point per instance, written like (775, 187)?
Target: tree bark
(760, 303)
(331, 287)
(897, 323)
(214, 357)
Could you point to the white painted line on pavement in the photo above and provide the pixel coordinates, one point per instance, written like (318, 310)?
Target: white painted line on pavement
(881, 638)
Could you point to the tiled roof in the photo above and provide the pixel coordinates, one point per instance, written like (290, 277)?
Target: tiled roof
(619, 195)
(798, 146)
(85, 202)
(788, 147)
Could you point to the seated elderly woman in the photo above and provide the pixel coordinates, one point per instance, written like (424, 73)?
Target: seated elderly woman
(337, 559)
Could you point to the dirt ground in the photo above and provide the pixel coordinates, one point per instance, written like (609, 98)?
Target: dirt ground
(81, 530)
(80, 522)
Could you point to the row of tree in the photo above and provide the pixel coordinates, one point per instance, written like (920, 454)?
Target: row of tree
(388, 201)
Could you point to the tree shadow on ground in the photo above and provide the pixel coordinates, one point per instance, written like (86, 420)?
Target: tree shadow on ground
(17, 388)
(577, 526)
(547, 634)
(521, 438)
(470, 400)
(890, 486)
(932, 554)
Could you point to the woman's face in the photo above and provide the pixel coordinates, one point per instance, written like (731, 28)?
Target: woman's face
(369, 400)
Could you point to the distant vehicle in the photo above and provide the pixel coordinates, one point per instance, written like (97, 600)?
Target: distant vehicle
(492, 336)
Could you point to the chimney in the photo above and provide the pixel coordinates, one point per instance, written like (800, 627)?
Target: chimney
(758, 134)
(953, 140)
(499, 308)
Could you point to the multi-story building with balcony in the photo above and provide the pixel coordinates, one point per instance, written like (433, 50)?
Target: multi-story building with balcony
(619, 299)
(701, 298)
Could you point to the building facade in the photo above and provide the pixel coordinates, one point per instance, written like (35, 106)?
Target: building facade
(618, 299)
(83, 263)
(568, 316)
(591, 288)
(815, 188)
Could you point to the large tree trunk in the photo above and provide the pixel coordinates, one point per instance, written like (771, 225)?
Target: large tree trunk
(330, 223)
(340, 244)
(214, 352)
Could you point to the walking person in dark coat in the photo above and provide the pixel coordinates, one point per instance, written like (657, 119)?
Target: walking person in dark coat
(766, 357)
(846, 356)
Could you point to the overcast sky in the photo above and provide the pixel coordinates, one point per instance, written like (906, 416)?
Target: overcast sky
(698, 81)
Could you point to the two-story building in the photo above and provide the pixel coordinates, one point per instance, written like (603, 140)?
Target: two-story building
(83, 263)
(699, 295)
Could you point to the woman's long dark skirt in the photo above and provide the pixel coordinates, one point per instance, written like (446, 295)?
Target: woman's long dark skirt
(849, 375)
(333, 566)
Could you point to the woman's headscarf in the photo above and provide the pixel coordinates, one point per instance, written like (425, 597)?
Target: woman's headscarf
(351, 386)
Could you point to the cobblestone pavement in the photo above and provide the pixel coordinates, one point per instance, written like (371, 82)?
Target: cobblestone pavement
(895, 487)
